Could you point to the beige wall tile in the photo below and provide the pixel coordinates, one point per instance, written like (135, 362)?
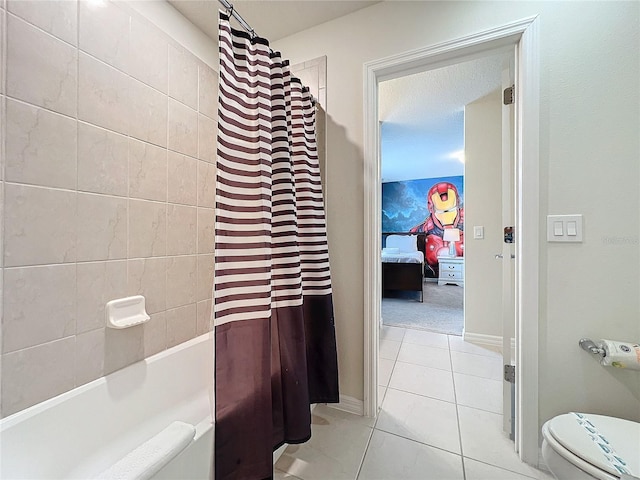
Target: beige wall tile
(203, 320)
(181, 324)
(205, 277)
(40, 69)
(181, 230)
(34, 312)
(122, 347)
(147, 276)
(97, 284)
(40, 226)
(103, 97)
(183, 76)
(147, 113)
(40, 147)
(147, 229)
(89, 361)
(183, 129)
(206, 184)
(59, 18)
(207, 140)
(103, 161)
(206, 230)
(183, 175)
(149, 54)
(49, 369)
(104, 33)
(155, 334)
(147, 171)
(208, 91)
(102, 227)
(181, 281)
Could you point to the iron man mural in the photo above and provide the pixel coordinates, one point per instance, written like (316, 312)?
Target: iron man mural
(445, 211)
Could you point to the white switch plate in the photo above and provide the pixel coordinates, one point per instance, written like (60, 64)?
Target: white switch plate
(478, 233)
(564, 228)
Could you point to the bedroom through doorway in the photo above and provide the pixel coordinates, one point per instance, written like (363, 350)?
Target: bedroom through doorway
(426, 188)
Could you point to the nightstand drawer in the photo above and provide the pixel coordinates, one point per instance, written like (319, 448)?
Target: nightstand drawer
(450, 267)
(447, 275)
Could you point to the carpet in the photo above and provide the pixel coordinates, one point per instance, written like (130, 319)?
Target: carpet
(441, 312)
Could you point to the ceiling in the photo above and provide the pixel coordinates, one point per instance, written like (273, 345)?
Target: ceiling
(271, 19)
(422, 117)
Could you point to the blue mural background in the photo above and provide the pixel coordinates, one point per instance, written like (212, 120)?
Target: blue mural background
(404, 204)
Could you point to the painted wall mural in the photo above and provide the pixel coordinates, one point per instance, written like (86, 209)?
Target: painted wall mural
(429, 205)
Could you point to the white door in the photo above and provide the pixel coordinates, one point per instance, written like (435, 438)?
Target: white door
(507, 256)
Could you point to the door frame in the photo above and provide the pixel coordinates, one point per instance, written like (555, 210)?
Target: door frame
(524, 35)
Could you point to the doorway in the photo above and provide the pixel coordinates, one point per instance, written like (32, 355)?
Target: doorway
(523, 36)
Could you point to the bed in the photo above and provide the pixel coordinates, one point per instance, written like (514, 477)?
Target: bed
(403, 263)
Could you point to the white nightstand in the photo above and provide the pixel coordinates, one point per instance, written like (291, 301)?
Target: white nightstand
(451, 270)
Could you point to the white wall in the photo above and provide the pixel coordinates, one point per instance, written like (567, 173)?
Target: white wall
(482, 206)
(589, 164)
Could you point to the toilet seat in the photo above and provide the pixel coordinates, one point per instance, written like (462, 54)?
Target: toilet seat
(604, 447)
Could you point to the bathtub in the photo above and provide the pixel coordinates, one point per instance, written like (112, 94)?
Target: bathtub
(81, 433)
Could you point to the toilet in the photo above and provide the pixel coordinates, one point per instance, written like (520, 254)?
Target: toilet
(580, 446)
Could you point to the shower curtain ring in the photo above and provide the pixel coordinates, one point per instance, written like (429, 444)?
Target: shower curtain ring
(230, 10)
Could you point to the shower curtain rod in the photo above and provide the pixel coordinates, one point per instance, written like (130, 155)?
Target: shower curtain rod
(231, 11)
(252, 33)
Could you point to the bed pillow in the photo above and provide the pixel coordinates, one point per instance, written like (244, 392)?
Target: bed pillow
(404, 243)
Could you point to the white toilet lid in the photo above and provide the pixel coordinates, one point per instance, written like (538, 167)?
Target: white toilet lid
(608, 443)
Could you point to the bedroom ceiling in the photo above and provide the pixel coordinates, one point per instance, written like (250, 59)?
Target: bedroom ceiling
(271, 19)
(422, 117)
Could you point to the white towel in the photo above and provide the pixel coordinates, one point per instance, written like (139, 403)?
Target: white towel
(147, 459)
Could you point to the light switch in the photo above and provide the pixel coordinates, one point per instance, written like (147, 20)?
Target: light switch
(564, 228)
(478, 232)
(557, 229)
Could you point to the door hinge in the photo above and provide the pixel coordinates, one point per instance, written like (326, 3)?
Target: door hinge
(509, 95)
(510, 373)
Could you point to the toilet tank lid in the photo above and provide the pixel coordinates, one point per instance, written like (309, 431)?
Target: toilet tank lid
(608, 443)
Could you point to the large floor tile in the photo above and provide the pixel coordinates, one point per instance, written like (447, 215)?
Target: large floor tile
(483, 440)
(478, 392)
(426, 356)
(335, 450)
(280, 475)
(389, 349)
(419, 418)
(392, 333)
(422, 337)
(475, 470)
(385, 368)
(430, 382)
(392, 458)
(327, 411)
(458, 344)
(478, 365)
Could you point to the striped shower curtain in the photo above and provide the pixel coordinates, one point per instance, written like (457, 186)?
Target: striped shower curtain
(273, 313)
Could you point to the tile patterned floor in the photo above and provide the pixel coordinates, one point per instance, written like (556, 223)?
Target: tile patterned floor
(440, 419)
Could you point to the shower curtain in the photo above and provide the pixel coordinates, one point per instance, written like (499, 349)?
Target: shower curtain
(273, 313)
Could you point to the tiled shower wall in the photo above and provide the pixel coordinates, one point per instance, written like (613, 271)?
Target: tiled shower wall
(108, 182)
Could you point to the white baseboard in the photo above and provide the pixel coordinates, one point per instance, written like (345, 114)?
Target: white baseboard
(349, 405)
(488, 340)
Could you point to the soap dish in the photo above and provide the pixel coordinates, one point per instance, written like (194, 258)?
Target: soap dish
(126, 312)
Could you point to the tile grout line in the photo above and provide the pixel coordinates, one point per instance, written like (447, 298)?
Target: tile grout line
(364, 455)
(455, 398)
